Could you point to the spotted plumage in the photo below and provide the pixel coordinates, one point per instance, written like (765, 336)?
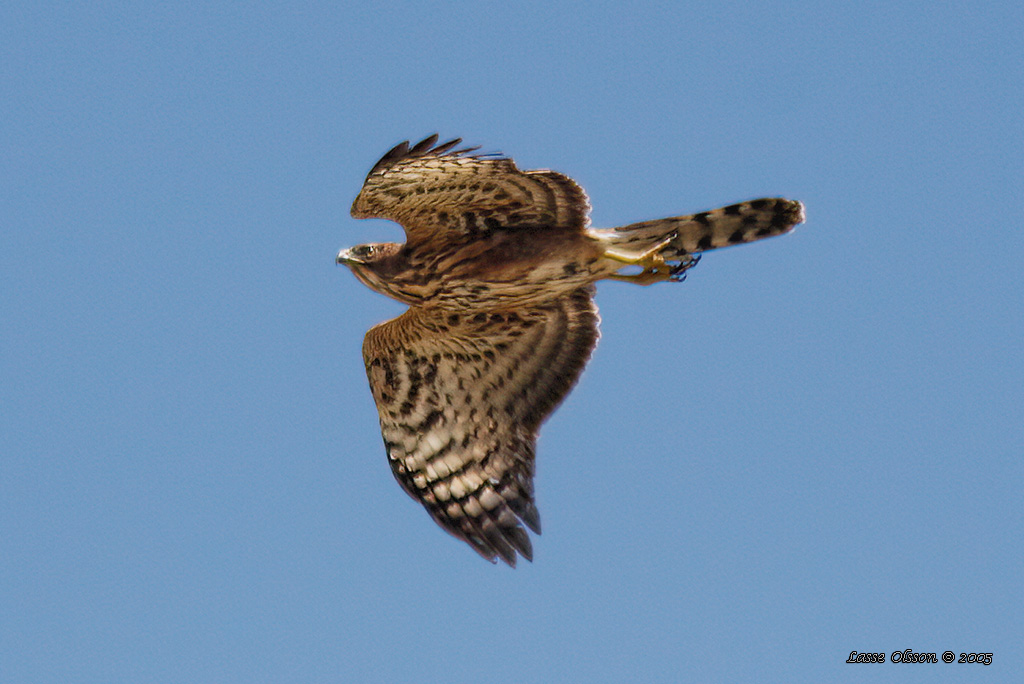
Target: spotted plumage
(498, 268)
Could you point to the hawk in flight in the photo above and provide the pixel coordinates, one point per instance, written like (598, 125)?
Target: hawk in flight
(498, 269)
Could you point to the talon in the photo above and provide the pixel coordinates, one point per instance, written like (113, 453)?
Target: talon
(655, 268)
(677, 272)
(674, 272)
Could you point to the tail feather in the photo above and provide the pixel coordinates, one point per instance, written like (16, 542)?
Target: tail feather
(731, 225)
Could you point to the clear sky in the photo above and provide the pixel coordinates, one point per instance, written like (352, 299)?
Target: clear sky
(812, 446)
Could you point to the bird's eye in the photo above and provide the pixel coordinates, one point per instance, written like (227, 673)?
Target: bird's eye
(363, 251)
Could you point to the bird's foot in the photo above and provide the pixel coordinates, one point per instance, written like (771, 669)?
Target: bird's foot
(655, 268)
(648, 259)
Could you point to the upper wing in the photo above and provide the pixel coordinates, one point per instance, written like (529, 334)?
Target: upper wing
(461, 397)
(437, 192)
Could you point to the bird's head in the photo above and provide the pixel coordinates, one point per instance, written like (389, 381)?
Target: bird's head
(373, 263)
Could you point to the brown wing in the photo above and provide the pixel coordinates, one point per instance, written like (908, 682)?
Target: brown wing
(437, 192)
(461, 397)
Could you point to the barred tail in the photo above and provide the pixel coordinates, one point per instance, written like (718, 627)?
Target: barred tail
(731, 225)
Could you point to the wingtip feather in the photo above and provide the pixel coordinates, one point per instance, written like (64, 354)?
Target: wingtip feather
(426, 148)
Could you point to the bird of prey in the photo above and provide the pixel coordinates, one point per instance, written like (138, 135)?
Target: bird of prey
(498, 269)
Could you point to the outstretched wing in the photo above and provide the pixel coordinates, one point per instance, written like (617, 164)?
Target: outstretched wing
(442, 193)
(461, 397)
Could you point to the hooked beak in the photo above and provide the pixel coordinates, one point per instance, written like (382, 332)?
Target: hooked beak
(345, 257)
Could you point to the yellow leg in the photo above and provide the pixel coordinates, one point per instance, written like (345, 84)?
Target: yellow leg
(645, 277)
(646, 259)
(655, 270)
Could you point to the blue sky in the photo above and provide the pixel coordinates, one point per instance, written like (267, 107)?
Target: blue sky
(811, 446)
